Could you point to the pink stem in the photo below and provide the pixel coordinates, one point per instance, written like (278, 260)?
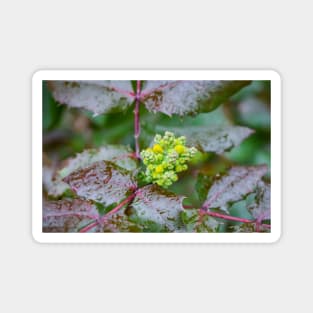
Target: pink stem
(228, 217)
(137, 122)
(233, 218)
(118, 207)
(88, 227)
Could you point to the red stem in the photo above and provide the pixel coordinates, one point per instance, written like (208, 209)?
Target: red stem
(137, 122)
(88, 227)
(228, 217)
(233, 218)
(118, 207)
(104, 217)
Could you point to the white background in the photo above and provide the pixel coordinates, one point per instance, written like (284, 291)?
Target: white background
(155, 34)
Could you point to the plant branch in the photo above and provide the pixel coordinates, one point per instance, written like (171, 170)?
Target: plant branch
(137, 121)
(227, 217)
(88, 227)
(104, 217)
(233, 218)
(118, 207)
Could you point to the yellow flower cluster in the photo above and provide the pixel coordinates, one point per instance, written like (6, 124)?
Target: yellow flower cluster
(167, 157)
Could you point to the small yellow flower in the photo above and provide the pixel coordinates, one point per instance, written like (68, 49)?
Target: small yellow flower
(180, 149)
(157, 148)
(159, 169)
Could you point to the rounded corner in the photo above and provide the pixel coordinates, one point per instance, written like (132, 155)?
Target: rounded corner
(276, 75)
(276, 238)
(37, 75)
(37, 237)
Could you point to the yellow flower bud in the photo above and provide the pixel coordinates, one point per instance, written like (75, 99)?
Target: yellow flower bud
(180, 149)
(157, 148)
(159, 169)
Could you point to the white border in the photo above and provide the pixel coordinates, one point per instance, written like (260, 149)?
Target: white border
(271, 75)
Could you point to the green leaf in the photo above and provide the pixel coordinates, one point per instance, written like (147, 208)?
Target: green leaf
(120, 155)
(261, 207)
(188, 97)
(203, 184)
(156, 210)
(97, 96)
(68, 215)
(233, 186)
(217, 139)
(103, 182)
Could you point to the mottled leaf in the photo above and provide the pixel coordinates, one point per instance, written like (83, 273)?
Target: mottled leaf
(120, 155)
(261, 207)
(217, 139)
(233, 186)
(188, 97)
(97, 96)
(156, 210)
(119, 222)
(102, 181)
(192, 223)
(54, 187)
(68, 215)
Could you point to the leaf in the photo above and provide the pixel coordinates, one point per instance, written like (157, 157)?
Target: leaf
(156, 209)
(190, 219)
(234, 186)
(188, 97)
(68, 215)
(102, 181)
(119, 222)
(97, 96)
(203, 183)
(261, 207)
(120, 155)
(217, 139)
(54, 187)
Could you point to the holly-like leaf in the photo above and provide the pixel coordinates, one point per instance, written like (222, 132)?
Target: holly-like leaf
(119, 222)
(103, 182)
(156, 210)
(68, 215)
(120, 155)
(261, 207)
(233, 186)
(217, 139)
(188, 97)
(54, 187)
(97, 96)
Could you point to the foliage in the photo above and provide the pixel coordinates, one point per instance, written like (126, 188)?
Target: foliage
(203, 165)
